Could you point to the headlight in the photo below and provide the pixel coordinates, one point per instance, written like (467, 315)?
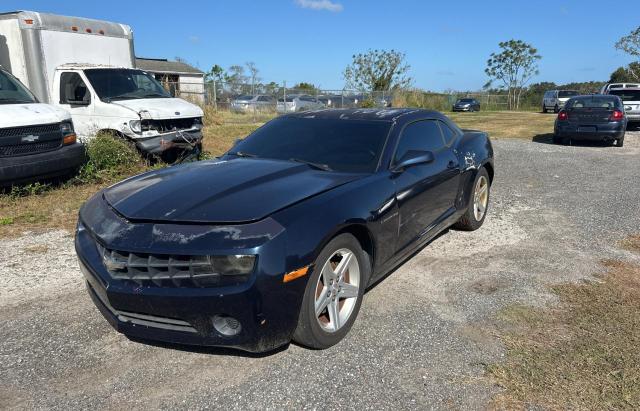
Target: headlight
(135, 126)
(220, 270)
(66, 128)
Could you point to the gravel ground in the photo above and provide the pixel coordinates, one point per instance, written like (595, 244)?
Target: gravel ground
(423, 335)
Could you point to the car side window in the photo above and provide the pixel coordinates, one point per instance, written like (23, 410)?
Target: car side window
(447, 133)
(73, 90)
(422, 135)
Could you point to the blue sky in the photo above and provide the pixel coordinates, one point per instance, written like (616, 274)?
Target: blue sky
(446, 42)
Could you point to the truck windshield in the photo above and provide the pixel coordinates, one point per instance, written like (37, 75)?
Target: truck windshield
(12, 91)
(124, 84)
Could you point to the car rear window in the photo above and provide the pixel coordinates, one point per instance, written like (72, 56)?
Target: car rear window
(567, 93)
(626, 94)
(344, 145)
(591, 102)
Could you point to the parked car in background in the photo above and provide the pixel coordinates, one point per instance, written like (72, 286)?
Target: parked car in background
(555, 99)
(631, 101)
(466, 104)
(594, 117)
(296, 221)
(37, 140)
(609, 86)
(248, 103)
(298, 102)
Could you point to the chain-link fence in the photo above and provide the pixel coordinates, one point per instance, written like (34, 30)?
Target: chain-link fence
(246, 103)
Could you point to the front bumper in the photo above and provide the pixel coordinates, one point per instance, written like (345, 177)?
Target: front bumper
(22, 169)
(266, 308)
(181, 139)
(461, 108)
(603, 131)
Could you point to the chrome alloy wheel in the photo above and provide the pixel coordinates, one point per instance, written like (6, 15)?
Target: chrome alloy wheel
(480, 198)
(337, 290)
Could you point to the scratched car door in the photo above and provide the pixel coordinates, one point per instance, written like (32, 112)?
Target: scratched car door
(426, 192)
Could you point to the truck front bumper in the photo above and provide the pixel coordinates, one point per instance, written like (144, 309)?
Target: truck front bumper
(55, 163)
(182, 139)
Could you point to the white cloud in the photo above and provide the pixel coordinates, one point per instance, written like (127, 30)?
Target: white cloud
(327, 5)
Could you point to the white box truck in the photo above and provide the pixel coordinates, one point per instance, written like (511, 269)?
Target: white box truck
(87, 67)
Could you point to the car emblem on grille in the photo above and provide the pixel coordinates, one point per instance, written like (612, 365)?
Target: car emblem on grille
(628, 108)
(29, 139)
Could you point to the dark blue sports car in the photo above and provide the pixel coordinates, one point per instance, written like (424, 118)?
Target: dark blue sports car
(279, 238)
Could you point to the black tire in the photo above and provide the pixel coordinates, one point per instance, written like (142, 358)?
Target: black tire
(544, 109)
(556, 109)
(468, 221)
(309, 332)
(620, 142)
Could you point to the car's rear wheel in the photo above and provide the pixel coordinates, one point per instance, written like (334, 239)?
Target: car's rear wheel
(619, 142)
(478, 203)
(333, 294)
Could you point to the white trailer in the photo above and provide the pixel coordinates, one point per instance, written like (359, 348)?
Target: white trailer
(87, 67)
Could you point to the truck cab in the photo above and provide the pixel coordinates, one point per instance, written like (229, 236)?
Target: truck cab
(37, 141)
(129, 102)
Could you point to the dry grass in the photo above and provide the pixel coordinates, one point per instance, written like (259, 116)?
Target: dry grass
(505, 124)
(581, 354)
(58, 207)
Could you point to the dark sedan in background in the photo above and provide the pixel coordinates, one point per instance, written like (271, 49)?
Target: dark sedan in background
(278, 239)
(592, 117)
(466, 104)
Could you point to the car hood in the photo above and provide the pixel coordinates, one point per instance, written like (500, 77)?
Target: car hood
(16, 115)
(220, 191)
(162, 108)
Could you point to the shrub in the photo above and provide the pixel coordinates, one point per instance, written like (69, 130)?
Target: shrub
(368, 103)
(109, 157)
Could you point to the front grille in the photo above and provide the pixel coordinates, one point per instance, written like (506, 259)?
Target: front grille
(26, 130)
(164, 270)
(164, 126)
(18, 141)
(29, 148)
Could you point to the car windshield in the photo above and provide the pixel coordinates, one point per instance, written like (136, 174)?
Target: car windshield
(12, 91)
(124, 84)
(245, 98)
(626, 94)
(591, 102)
(567, 93)
(342, 145)
(465, 100)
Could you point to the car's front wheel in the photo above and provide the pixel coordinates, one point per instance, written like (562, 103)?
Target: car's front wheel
(473, 218)
(334, 293)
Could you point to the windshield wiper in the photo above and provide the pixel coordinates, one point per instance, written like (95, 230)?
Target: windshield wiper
(155, 95)
(317, 166)
(243, 154)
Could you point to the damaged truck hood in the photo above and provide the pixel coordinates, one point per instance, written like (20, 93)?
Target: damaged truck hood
(220, 191)
(162, 108)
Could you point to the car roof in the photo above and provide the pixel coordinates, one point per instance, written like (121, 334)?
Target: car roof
(388, 114)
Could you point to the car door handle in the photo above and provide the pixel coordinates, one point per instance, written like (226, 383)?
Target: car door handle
(452, 164)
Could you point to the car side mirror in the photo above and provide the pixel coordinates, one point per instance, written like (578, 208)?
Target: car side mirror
(413, 158)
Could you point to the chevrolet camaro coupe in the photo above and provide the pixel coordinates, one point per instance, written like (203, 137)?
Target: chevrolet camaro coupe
(278, 239)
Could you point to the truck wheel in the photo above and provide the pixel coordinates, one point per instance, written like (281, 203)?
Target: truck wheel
(556, 109)
(544, 109)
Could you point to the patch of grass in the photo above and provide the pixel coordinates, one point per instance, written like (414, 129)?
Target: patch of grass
(6, 220)
(580, 354)
(506, 124)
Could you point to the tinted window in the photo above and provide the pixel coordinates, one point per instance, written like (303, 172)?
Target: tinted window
(592, 102)
(466, 100)
(72, 89)
(626, 94)
(419, 136)
(264, 98)
(12, 91)
(343, 145)
(245, 98)
(448, 134)
(567, 93)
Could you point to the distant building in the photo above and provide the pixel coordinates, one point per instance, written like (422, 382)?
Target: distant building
(181, 79)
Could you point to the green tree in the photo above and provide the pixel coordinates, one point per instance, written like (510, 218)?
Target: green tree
(305, 87)
(378, 70)
(625, 74)
(513, 68)
(216, 73)
(630, 44)
(235, 79)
